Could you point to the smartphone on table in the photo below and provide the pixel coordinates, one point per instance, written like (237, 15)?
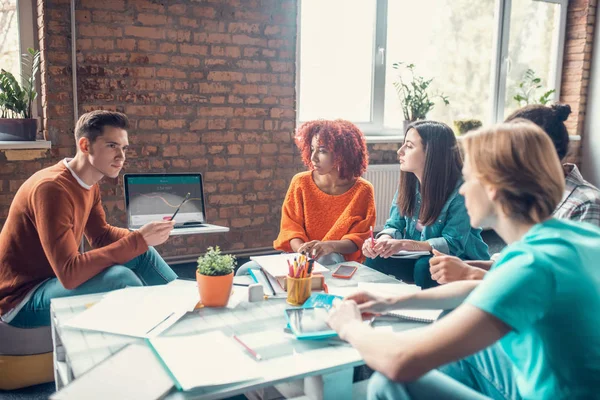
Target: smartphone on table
(344, 271)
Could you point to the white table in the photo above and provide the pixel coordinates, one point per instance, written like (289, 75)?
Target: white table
(325, 366)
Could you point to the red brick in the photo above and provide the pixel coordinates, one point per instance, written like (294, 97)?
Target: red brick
(152, 19)
(193, 49)
(198, 125)
(170, 124)
(252, 64)
(113, 5)
(126, 44)
(170, 73)
(242, 27)
(192, 150)
(147, 124)
(167, 47)
(204, 12)
(145, 32)
(170, 151)
(179, 35)
(248, 40)
(177, 9)
(189, 22)
(147, 45)
(217, 124)
(185, 61)
(98, 30)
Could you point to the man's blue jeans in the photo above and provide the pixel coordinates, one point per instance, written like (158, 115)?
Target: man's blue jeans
(145, 270)
(484, 375)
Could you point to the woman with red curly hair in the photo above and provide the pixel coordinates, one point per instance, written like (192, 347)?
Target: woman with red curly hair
(329, 209)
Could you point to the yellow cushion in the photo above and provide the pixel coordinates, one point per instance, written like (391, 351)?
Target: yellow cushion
(21, 371)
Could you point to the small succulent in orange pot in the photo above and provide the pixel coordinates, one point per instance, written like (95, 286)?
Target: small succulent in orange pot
(215, 277)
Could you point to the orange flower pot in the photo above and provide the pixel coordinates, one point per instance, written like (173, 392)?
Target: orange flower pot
(214, 290)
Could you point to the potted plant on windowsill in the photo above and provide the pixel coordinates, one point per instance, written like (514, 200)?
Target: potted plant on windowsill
(215, 277)
(413, 94)
(16, 122)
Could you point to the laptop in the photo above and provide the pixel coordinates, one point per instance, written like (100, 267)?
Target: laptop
(156, 197)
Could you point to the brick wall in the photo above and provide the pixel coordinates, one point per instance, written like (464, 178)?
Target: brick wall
(209, 86)
(576, 66)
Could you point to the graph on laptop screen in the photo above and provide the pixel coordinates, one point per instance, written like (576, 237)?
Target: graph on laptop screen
(156, 198)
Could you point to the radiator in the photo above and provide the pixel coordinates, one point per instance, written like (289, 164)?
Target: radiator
(384, 179)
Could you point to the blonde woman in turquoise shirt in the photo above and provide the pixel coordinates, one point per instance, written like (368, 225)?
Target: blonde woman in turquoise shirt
(537, 308)
(427, 212)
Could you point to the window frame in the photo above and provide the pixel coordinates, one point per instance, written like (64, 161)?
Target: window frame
(499, 72)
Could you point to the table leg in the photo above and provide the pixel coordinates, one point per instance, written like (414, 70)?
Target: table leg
(336, 385)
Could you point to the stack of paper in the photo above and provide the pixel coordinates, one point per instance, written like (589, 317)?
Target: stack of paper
(139, 311)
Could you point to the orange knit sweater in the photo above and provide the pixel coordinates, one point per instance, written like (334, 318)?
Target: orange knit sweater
(311, 214)
(40, 239)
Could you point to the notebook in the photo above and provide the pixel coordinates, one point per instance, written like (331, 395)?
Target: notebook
(411, 254)
(396, 289)
(310, 320)
(156, 197)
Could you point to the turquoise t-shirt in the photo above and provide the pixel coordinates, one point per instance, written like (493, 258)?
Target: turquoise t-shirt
(547, 288)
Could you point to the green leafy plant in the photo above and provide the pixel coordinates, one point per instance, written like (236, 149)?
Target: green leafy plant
(213, 263)
(465, 125)
(16, 100)
(413, 94)
(527, 88)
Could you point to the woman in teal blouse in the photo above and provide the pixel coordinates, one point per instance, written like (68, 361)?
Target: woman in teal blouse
(427, 213)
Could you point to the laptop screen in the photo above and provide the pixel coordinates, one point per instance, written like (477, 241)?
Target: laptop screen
(155, 197)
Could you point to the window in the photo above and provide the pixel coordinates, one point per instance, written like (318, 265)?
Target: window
(477, 53)
(9, 39)
(16, 33)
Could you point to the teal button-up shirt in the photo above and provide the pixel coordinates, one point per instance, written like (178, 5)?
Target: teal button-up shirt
(451, 233)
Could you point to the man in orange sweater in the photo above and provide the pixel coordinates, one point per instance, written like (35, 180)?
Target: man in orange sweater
(53, 209)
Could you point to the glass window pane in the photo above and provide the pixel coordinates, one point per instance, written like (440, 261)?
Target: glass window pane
(532, 45)
(337, 39)
(450, 41)
(9, 37)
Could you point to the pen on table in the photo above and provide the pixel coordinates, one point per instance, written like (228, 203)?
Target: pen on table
(187, 196)
(372, 238)
(254, 354)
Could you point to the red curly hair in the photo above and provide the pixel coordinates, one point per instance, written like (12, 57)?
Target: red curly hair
(341, 138)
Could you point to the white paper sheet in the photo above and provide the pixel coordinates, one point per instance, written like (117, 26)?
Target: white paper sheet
(131, 374)
(205, 360)
(139, 311)
(277, 265)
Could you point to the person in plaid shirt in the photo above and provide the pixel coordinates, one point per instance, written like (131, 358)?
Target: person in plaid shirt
(580, 202)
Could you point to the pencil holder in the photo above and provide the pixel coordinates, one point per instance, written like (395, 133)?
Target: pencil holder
(298, 290)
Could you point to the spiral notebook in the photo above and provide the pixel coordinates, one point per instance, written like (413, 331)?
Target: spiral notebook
(395, 289)
(427, 316)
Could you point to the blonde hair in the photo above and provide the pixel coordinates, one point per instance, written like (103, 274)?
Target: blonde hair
(519, 160)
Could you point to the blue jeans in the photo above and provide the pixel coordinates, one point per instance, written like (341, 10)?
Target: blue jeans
(327, 259)
(484, 375)
(147, 269)
(406, 270)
